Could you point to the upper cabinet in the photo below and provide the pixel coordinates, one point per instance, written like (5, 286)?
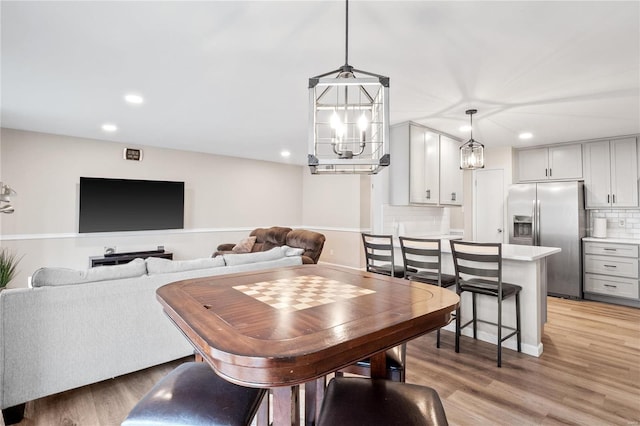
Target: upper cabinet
(451, 176)
(611, 173)
(424, 155)
(425, 167)
(558, 162)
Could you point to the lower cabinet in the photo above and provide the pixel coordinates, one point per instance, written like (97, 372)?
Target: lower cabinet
(611, 273)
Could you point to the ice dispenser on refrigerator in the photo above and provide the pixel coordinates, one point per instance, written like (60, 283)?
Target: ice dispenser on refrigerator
(523, 230)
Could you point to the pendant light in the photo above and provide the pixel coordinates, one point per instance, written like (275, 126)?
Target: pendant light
(472, 152)
(348, 119)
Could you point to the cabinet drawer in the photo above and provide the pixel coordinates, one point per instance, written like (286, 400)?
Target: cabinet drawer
(619, 287)
(609, 265)
(623, 250)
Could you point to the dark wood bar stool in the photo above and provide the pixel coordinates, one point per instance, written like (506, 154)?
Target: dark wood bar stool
(422, 262)
(478, 269)
(192, 395)
(378, 251)
(359, 401)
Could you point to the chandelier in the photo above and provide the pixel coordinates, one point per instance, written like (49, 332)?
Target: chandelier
(348, 120)
(472, 152)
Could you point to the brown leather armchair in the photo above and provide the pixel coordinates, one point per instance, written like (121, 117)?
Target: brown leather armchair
(277, 236)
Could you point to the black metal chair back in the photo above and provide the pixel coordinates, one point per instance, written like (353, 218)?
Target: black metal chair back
(424, 257)
(378, 250)
(477, 262)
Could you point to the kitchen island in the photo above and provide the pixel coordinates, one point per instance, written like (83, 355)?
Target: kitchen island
(521, 265)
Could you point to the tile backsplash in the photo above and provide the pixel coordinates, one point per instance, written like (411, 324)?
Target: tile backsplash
(415, 220)
(620, 223)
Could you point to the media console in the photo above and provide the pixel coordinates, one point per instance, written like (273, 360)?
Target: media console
(120, 258)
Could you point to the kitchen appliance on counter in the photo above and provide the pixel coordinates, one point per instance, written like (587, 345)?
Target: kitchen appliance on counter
(551, 214)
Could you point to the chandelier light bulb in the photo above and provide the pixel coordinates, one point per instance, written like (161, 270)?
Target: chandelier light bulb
(363, 123)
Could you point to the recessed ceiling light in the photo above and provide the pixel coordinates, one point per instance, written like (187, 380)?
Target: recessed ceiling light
(525, 135)
(133, 99)
(465, 128)
(285, 153)
(108, 127)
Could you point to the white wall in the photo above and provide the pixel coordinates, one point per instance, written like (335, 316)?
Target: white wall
(224, 197)
(338, 206)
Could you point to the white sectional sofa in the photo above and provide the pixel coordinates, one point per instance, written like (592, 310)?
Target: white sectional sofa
(74, 328)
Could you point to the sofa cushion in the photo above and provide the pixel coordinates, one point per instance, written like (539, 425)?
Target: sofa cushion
(63, 276)
(156, 265)
(245, 245)
(261, 256)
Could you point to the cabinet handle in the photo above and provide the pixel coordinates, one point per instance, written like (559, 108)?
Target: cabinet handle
(545, 172)
(609, 249)
(610, 266)
(550, 174)
(453, 196)
(614, 198)
(611, 285)
(608, 198)
(428, 194)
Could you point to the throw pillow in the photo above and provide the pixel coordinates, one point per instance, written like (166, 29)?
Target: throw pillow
(156, 265)
(245, 245)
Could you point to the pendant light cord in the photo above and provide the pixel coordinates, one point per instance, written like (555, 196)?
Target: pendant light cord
(471, 124)
(346, 36)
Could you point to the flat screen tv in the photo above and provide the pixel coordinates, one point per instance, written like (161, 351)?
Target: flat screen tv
(111, 205)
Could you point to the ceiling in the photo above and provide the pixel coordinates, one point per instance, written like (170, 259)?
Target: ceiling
(231, 78)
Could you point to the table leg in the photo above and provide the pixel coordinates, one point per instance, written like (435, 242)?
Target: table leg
(262, 416)
(379, 366)
(286, 406)
(313, 395)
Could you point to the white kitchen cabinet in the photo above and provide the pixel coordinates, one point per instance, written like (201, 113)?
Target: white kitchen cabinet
(451, 176)
(560, 162)
(611, 273)
(611, 173)
(425, 167)
(424, 153)
(532, 164)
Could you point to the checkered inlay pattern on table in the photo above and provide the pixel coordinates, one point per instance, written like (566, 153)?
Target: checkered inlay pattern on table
(307, 291)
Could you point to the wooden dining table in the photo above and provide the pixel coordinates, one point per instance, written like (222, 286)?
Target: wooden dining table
(284, 327)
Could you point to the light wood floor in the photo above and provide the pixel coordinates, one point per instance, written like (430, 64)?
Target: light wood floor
(589, 374)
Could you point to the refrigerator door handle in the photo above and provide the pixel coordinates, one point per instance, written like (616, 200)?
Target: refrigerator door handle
(534, 225)
(537, 243)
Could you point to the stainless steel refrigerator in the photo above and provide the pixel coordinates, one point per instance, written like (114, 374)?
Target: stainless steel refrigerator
(551, 214)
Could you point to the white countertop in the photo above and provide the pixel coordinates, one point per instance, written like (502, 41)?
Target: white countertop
(519, 252)
(509, 251)
(611, 240)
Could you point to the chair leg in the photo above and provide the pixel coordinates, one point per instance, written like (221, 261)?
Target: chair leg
(438, 338)
(458, 319)
(475, 318)
(518, 322)
(499, 331)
